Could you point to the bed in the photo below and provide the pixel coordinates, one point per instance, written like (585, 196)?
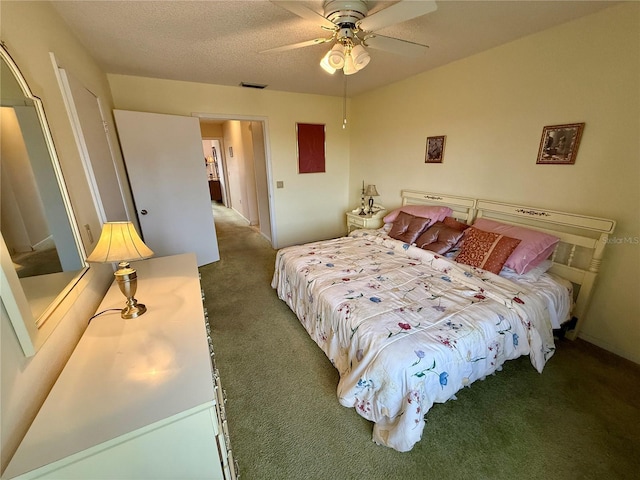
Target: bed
(407, 327)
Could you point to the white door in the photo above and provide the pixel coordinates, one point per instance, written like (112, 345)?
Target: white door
(167, 172)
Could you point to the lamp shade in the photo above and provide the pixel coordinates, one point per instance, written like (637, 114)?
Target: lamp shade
(324, 63)
(371, 191)
(349, 66)
(360, 57)
(336, 56)
(119, 242)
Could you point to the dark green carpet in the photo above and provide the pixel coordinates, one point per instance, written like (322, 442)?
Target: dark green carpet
(580, 419)
(39, 262)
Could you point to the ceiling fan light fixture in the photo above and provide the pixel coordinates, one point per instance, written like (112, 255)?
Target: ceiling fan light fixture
(336, 56)
(353, 29)
(324, 63)
(361, 57)
(349, 66)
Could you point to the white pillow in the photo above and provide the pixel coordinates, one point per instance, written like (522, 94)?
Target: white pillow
(532, 275)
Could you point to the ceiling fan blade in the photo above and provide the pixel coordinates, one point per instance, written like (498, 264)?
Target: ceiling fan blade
(396, 13)
(395, 45)
(305, 12)
(292, 46)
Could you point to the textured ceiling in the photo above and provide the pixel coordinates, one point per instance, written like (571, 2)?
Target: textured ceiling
(219, 42)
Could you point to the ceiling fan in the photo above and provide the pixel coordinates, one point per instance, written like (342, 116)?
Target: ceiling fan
(352, 29)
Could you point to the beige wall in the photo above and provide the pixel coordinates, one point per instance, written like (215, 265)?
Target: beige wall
(210, 130)
(492, 108)
(30, 31)
(298, 215)
(235, 166)
(250, 173)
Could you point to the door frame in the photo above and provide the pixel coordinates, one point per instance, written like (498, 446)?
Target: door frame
(267, 156)
(222, 169)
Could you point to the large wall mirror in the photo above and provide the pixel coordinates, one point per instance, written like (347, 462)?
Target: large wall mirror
(42, 255)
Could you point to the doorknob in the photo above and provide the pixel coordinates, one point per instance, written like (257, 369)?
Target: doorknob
(143, 212)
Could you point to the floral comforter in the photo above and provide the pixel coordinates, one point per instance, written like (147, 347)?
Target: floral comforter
(407, 328)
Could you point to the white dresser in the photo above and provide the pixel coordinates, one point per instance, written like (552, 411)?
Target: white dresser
(139, 398)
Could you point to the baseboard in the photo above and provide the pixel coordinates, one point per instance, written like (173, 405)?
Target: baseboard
(605, 346)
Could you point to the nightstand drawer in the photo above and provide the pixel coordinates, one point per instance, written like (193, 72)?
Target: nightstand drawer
(355, 221)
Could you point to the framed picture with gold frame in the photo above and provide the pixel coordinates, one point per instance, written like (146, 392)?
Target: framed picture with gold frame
(559, 144)
(435, 149)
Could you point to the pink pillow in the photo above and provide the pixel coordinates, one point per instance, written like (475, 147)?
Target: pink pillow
(534, 248)
(433, 212)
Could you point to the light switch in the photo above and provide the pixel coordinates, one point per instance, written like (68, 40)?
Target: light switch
(279, 184)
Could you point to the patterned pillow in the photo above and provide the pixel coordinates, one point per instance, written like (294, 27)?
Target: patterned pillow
(535, 246)
(407, 227)
(486, 250)
(439, 238)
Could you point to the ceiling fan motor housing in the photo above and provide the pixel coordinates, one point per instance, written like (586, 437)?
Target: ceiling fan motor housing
(345, 13)
(345, 35)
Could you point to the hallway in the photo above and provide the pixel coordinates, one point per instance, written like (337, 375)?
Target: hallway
(236, 237)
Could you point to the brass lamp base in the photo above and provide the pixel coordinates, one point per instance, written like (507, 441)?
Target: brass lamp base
(127, 280)
(133, 311)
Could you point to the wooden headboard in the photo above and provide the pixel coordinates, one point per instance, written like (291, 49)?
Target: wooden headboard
(579, 253)
(463, 207)
(577, 257)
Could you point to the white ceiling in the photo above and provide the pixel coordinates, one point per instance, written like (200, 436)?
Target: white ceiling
(218, 42)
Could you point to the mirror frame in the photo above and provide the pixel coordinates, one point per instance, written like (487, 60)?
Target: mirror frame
(32, 332)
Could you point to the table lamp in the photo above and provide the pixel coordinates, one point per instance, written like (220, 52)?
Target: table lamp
(371, 192)
(119, 242)
(363, 211)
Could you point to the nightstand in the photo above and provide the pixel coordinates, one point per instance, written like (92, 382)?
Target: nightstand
(355, 221)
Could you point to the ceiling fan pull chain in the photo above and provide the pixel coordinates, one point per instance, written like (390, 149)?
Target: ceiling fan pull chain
(344, 103)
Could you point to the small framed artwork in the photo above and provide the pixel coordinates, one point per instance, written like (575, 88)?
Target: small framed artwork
(311, 147)
(559, 144)
(231, 152)
(435, 149)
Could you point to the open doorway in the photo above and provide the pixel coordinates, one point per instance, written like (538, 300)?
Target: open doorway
(216, 170)
(241, 159)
